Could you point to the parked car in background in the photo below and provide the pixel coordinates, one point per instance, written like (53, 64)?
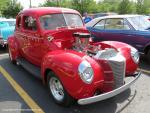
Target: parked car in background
(7, 27)
(54, 45)
(96, 15)
(149, 18)
(11, 22)
(131, 29)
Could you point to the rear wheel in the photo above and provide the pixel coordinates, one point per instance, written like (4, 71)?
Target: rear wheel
(57, 90)
(10, 56)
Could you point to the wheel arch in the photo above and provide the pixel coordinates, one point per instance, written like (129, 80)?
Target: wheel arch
(13, 45)
(65, 65)
(47, 70)
(146, 49)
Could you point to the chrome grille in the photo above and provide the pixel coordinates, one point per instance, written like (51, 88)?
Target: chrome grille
(118, 69)
(117, 64)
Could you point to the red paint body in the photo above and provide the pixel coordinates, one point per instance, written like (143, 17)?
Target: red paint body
(58, 57)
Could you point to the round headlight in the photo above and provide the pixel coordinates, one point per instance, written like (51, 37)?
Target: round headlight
(135, 55)
(85, 72)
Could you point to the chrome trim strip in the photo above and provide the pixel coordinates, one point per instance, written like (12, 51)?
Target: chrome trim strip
(108, 94)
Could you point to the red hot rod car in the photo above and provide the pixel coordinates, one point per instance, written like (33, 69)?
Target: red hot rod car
(53, 44)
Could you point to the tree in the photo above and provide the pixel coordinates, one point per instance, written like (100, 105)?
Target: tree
(147, 5)
(80, 5)
(91, 6)
(12, 9)
(3, 3)
(84, 5)
(140, 7)
(108, 5)
(58, 3)
(49, 3)
(143, 7)
(124, 7)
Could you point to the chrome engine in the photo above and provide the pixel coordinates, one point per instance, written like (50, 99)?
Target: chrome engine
(82, 44)
(115, 59)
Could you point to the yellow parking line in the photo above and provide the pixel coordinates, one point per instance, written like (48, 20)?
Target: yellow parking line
(145, 71)
(29, 101)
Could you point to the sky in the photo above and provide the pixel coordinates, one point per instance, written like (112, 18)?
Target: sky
(25, 3)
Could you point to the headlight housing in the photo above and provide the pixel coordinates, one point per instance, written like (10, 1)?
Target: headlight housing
(85, 72)
(135, 55)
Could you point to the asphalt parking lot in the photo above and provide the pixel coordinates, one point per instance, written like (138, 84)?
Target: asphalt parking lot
(21, 92)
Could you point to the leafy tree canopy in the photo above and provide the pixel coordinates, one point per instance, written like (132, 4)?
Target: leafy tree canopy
(3, 3)
(12, 9)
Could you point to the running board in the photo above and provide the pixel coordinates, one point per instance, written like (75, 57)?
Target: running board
(34, 70)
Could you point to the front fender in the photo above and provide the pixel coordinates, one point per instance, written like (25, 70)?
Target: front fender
(64, 63)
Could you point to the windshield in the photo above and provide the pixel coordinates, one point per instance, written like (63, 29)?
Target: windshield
(54, 21)
(139, 22)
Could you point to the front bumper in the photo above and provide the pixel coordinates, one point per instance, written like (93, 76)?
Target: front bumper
(110, 94)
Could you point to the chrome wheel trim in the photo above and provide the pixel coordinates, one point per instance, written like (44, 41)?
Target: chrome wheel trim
(56, 88)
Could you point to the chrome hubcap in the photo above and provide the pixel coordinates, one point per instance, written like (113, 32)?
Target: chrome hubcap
(56, 88)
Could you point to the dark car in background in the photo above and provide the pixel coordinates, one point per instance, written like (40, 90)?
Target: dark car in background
(131, 29)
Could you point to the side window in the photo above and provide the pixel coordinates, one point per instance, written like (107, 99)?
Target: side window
(19, 22)
(29, 23)
(116, 24)
(100, 25)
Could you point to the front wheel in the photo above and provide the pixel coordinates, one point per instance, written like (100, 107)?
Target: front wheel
(10, 56)
(57, 90)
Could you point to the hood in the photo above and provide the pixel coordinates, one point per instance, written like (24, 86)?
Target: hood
(65, 34)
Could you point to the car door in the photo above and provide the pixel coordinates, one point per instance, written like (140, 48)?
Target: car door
(97, 30)
(20, 35)
(113, 29)
(32, 47)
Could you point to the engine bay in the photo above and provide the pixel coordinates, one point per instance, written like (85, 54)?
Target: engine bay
(82, 44)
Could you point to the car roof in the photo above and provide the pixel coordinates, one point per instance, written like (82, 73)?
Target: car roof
(47, 10)
(119, 16)
(94, 21)
(11, 19)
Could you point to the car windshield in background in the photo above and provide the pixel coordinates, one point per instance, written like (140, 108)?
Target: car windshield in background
(139, 22)
(54, 21)
(11, 23)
